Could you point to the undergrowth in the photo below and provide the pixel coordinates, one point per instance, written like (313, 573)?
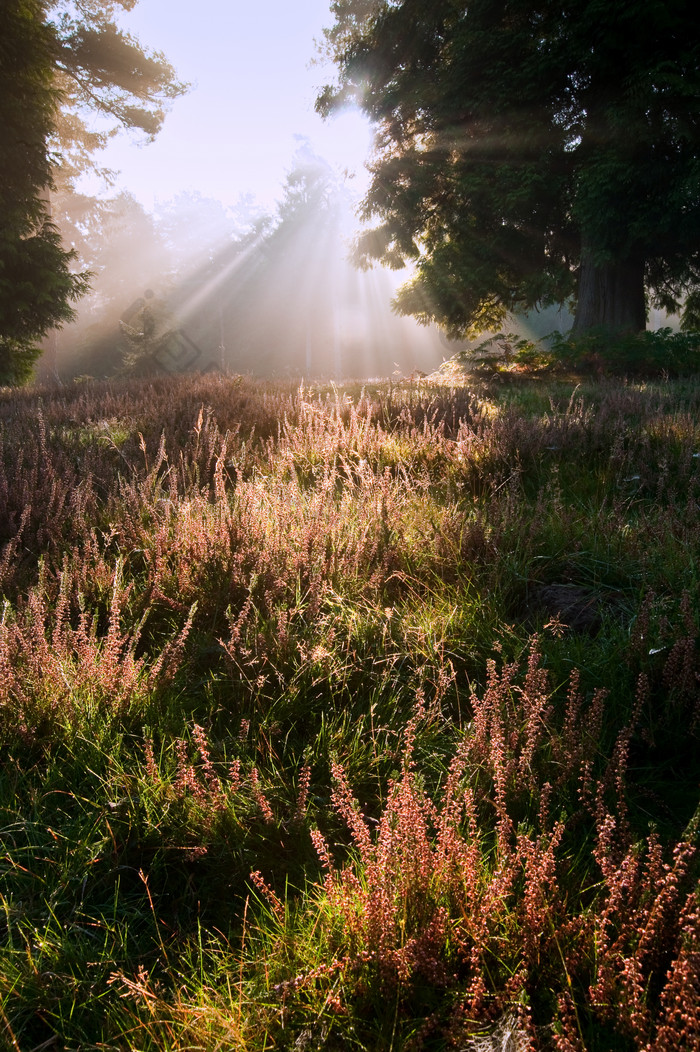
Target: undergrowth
(342, 717)
(646, 354)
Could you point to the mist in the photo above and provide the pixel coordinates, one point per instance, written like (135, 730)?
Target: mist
(196, 286)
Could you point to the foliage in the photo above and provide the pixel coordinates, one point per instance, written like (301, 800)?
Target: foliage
(106, 81)
(279, 276)
(103, 71)
(527, 154)
(277, 294)
(350, 718)
(633, 354)
(179, 245)
(36, 282)
(648, 354)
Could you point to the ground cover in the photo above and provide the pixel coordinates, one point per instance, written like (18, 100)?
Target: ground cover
(344, 717)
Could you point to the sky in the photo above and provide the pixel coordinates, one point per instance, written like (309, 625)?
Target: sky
(250, 104)
(249, 110)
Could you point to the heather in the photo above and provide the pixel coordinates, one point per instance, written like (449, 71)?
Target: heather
(342, 717)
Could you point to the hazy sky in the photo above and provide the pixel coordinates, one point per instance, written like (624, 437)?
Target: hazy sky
(252, 94)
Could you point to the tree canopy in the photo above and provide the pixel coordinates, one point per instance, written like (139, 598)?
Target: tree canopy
(60, 60)
(36, 282)
(102, 70)
(529, 153)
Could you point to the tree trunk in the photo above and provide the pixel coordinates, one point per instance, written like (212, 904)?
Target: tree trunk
(610, 295)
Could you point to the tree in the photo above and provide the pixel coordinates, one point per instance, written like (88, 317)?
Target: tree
(103, 232)
(108, 82)
(282, 296)
(102, 70)
(36, 282)
(195, 227)
(529, 153)
(266, 296)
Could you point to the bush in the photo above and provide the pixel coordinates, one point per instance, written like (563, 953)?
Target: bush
(644, 354)
(634, 354)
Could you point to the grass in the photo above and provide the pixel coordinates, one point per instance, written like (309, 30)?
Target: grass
(343, 717)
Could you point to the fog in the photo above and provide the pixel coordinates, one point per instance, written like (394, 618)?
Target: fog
(194, 285)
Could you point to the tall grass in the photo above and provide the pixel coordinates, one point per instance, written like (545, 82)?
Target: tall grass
(344, 717)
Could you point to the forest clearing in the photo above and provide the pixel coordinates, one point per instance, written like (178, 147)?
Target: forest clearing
(350, 716)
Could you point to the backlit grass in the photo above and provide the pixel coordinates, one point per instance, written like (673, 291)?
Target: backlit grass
(349, 717)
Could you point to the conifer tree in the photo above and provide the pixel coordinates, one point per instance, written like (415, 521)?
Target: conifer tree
(36, 282)
(103, 71)
(529, 153)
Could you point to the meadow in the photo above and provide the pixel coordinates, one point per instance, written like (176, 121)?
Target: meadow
(343, 717)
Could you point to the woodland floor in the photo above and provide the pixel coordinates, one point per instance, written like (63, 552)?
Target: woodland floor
(350, 717)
